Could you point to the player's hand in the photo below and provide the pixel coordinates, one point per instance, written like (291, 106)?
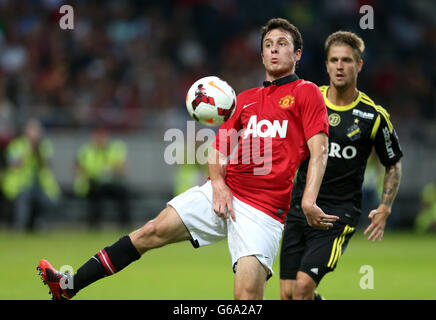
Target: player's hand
(317, 219)
(222, 200)
(378, 218)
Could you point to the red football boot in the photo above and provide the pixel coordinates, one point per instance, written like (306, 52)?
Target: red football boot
(55, 280)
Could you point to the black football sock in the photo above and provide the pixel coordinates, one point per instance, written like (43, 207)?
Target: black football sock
(106, 262)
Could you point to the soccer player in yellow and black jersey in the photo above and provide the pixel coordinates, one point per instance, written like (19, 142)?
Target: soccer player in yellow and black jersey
(357, 126)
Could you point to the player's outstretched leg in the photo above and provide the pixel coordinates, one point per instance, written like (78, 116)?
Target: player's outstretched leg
(166, 228)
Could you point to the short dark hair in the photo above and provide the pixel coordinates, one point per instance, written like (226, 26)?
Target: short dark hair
(348, 38)
(280, 23)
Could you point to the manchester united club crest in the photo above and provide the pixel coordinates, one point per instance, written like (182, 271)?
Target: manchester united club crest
(286, 102)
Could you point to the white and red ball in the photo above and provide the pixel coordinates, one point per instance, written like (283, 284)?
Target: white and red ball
(211, 101)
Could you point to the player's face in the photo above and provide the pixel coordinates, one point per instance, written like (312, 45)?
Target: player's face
(278, 54)
(342, 66)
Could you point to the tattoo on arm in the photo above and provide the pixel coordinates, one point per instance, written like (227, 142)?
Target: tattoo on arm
(391, 184)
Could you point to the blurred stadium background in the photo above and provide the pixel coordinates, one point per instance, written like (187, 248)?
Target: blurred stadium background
(127, 66)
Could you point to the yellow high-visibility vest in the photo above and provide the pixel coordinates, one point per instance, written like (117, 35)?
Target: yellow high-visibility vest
(426, 217)
(188, 176)
(98, 164)
(24, 167)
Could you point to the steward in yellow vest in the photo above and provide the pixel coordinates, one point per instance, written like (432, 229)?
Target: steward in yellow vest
(28, 180)
(100, 174)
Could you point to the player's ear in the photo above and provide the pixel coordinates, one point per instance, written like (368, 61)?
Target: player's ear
(359, 65)
(327, 65)
(298, 54)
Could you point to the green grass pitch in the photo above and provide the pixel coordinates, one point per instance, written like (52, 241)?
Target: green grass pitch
(403, 265)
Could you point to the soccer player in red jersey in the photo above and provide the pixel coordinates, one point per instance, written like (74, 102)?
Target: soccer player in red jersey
(275, 127)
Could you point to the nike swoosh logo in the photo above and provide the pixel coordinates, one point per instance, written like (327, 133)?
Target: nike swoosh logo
(215, 86)
(247, 105)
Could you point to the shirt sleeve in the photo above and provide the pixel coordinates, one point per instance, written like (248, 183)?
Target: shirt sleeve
(226, 138)
(313, 111)
(386, 141)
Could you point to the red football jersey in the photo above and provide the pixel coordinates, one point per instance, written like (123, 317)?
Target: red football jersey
(265, 141)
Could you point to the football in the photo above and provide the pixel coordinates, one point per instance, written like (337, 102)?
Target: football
(211, 101)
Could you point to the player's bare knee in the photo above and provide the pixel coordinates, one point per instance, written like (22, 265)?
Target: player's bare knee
(149, 229)
(285, 293)
(248, 293)
(303, 289)
(156, 232)
(147, 237)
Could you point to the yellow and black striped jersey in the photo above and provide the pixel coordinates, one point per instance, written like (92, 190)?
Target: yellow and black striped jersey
(353, 131)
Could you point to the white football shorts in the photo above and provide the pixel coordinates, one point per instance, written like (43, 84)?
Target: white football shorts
(253, 232)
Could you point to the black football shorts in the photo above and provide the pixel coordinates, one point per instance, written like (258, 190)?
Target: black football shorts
(315, 252)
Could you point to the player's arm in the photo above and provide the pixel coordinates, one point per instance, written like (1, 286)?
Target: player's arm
(222, 197)
(225, 141)
(380, 215)
(388, 149)
(316, 218)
